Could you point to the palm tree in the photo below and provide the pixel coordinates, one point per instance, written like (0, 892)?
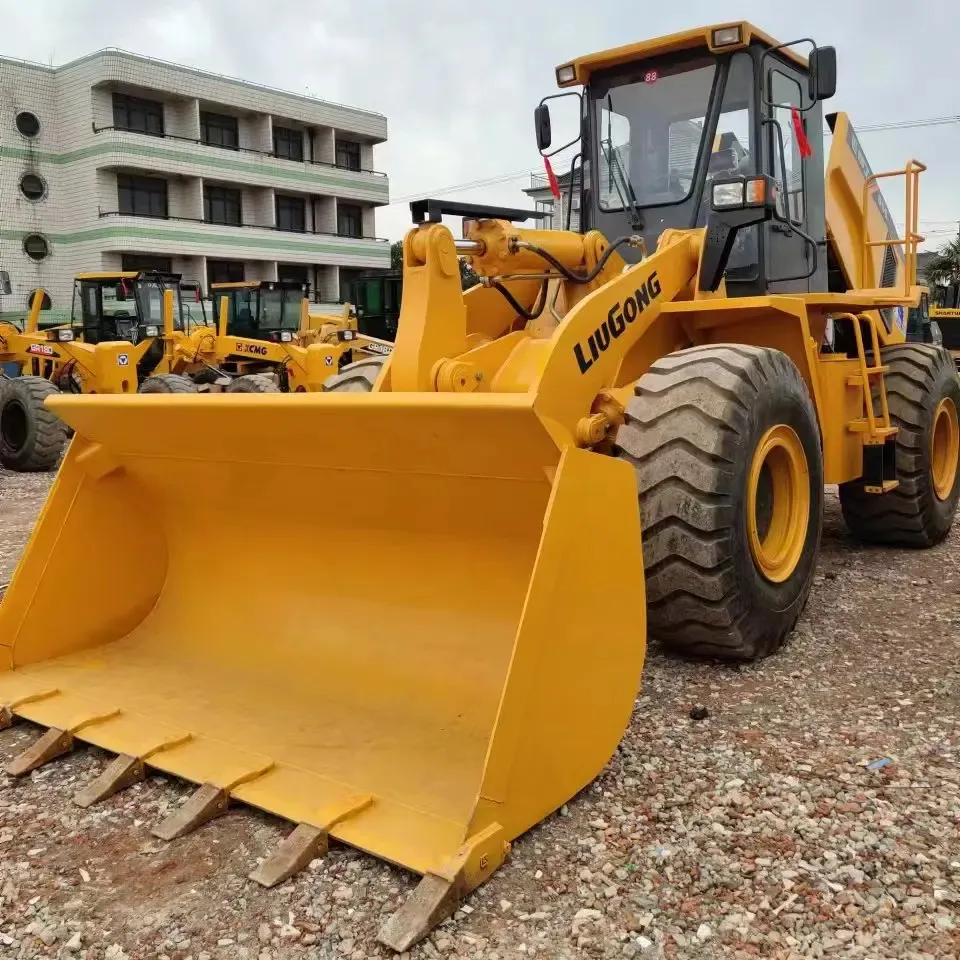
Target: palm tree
(943, 268)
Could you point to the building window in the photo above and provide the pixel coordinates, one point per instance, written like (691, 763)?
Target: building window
(32, 186)
(219, 130)
(293, 272)
(44, 303)
(36, 247)
(146, 262)
(224, 271)
(136, 113)
(288, 143)
(222, 205)
(348, 154)
(349, 220)
(141, 196)
(291, 214)
(27, 124)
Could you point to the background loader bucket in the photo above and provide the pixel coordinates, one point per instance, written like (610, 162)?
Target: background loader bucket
(395, 619)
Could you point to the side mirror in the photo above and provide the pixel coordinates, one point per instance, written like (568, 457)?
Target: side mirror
(823, 73)
(541, 121)
(5, 288)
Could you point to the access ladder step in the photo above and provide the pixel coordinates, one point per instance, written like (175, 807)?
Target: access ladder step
(856, 380)
(884, 487)
(879, 432)
(880, 467)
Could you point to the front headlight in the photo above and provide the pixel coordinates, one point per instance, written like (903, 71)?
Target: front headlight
(727, 195)
(60, 335)
(151, 331)
(566, 73)
(286, 336)
(726, 36)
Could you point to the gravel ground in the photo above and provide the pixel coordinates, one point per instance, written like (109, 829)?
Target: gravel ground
(759, 831)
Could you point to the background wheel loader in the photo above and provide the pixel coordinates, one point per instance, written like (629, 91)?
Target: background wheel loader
(946, 314)
(118, 335)
(724, 338)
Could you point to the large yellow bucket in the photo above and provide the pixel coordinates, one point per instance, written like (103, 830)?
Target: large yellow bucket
(409, 620)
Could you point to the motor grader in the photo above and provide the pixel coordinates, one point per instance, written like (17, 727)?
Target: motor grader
(265, 340)
(724, 338)
(139, 333)
(122, 329)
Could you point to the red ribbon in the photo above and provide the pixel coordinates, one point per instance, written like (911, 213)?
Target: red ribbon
(802, 142)
(551, 178)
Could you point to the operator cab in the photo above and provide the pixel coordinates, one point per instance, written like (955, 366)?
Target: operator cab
(261, 310)
(696, 127)
(376, 300)
(126, 306)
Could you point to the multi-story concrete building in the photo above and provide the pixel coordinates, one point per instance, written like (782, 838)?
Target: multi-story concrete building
(117, 161)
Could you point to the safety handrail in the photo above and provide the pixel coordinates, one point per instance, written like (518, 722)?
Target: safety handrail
(912, 237)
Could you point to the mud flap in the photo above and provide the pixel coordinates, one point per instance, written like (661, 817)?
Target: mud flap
(415, 600)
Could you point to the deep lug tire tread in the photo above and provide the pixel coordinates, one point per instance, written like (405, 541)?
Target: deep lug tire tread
(690, 432)
(920, 376)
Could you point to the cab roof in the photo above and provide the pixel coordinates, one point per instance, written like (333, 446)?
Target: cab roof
(699, 37)
(126, 275)
(260, 285)
(109, 275)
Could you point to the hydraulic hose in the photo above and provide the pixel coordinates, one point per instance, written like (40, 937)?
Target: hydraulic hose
(572, 275)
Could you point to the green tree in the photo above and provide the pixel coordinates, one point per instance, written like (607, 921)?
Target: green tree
(468, 276)
(943, 268)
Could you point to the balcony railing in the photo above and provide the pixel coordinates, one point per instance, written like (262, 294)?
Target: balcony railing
(216, 146)
(101, 214)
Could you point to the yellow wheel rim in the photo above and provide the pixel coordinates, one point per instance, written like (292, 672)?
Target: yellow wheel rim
(778, 503)
(945, 448)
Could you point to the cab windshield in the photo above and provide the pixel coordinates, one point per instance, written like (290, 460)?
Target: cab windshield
(280, 309)
(650, 134)
(257, 311)
(150, 295)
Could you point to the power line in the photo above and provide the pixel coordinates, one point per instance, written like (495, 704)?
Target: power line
(467, 185)
(908, 124)
(521, 174)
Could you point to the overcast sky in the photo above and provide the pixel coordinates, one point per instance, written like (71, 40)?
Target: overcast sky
(458, 82)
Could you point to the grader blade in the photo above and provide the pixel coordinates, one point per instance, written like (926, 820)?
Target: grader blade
(423, 665)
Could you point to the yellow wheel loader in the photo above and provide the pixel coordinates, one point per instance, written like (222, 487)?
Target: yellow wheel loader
(265, 340)
(724, 338)
(119, 340)
(946, 314)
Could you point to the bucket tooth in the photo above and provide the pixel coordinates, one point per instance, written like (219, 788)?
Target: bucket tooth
(306, 843)
(439, 892)
(124, 771)
(434, 899)
(6, 718)
(206, 803)
(54, 743)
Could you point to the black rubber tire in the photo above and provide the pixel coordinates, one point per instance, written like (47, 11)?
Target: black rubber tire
(691, 431)
(32, 437)
(253, 383)
(168, 383)
(920, 376)
(356, 377)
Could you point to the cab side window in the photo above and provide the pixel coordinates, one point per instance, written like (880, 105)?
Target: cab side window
(785, 93)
